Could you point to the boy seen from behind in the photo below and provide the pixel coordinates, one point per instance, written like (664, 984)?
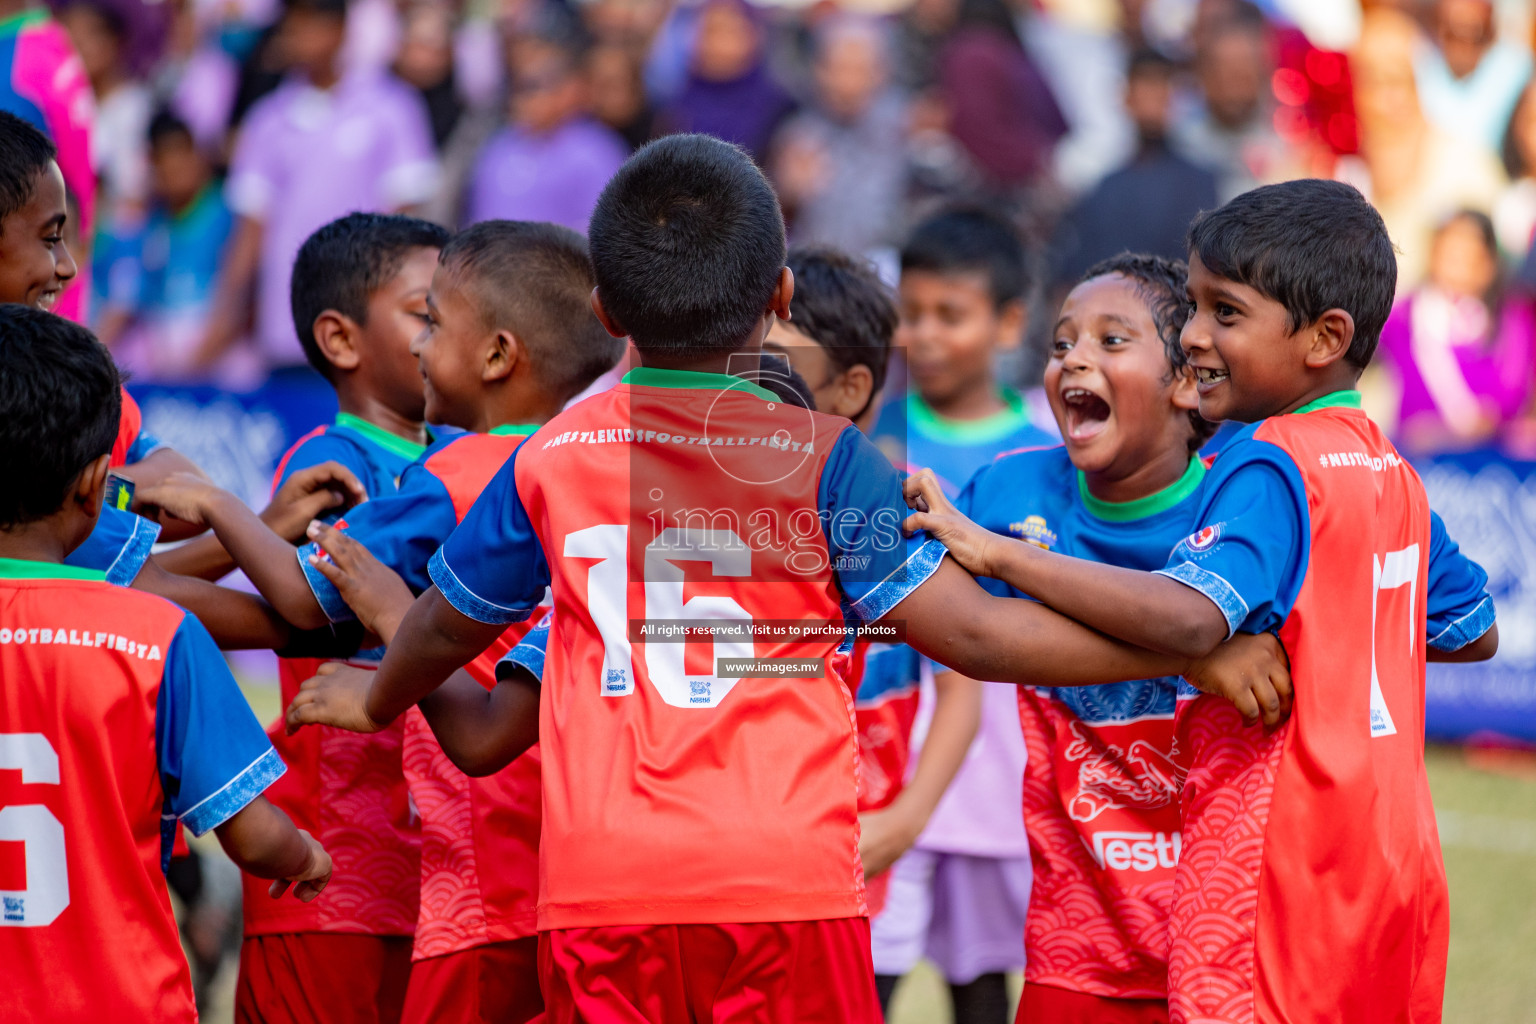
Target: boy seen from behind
(708, 501)
(510, 338)
(120, 718)
(1310, 849)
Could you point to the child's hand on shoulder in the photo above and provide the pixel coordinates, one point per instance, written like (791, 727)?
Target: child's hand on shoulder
(375, 592)
(337, 695)
(311, 880)
(185, 496)
(970, 545)
(310, 493)
(1253, 672)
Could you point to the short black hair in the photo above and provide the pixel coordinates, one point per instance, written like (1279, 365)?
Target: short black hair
(535, 280)
(841, 304)
(1149, 62)
(336, 8)
(1310, 245)
(60, 402)
(25, 154)
(971, 239)
(167, 125)
(1163, 284)
(688, 245)
(341, 265)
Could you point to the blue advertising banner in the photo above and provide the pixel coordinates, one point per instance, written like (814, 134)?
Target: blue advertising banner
(1487, 500)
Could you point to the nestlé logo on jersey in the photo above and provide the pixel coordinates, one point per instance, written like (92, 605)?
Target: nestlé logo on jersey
(1136, 851)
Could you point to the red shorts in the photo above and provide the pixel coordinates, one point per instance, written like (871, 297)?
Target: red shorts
(497, 983)
(329, 977)
(809, 972)
(1046, 1004)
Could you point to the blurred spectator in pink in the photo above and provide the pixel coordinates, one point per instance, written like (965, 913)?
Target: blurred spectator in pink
(43, 82)
(1470, 79)
(123, 107)
(158, 279)
(1461, 348)
(1233, 130)
(730, 92)
(840, 166)
(999, 105)
(1514, 215)
(617, 93)
(323, 144)
(552, 160)
(1415, 173)
(1145, 206)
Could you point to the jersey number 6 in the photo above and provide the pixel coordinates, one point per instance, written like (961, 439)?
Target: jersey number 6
(608, 603)
(39, 832)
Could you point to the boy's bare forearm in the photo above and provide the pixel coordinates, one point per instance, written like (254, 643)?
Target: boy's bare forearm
(263, 841)
(483, 731)
(271, 563)
(1142, 608)
(956, 623)
(433, 640)
(237, 621)
(203, 557)
(956, 716)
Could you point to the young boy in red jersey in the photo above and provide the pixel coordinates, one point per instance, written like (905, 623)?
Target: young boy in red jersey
(359, 300)
(700, 851)
(1308, 850)
(838, 339)
(494, 360)
(120, 719)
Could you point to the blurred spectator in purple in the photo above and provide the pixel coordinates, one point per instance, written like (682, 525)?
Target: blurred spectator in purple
(840, 166)
(425, 60)
(1147, 205)
(123, 107)
(1084, 65)
(323, 144)
(1469, 80)
(1514, 215)
(730, 92)
(1000, 108)
(198, 75)
(1233, 131)
(1412, 171)
(552, 160)
(617, 93)
(159, 280)
(1462, 349)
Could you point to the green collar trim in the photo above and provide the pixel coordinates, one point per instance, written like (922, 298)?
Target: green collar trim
(1334, 400)
(393, 443)
(23, 19)
(515, 429)
(27, 569)
(1141, 508)
(651, 377)
(922, 418)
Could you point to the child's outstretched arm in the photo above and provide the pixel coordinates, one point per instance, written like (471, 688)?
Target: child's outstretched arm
(269, 561)
(886, 834)
(238, 621)
(956, 623)
(306, 495)
(262, 840)
(1141, 608)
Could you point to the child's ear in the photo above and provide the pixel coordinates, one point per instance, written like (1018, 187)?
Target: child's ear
(612, 326)
(504, 353)
(1185, 394)
(90, 485)
(783, 293)
(855, 390)
(1330, 337)
(1012, 318)
(336, 335)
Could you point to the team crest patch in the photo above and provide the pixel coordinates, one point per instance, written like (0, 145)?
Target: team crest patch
(1033, 530)
(1205, 539)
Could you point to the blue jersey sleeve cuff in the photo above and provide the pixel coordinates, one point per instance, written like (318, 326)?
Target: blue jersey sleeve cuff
(326, 595)
(1466, 629)
(526, 656)
(899, 585)
(145, 445)
(1221, 593)
(467, 601)
(235, 794)
(131, 558)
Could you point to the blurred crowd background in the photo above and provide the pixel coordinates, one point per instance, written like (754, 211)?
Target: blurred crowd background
(224, 131)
